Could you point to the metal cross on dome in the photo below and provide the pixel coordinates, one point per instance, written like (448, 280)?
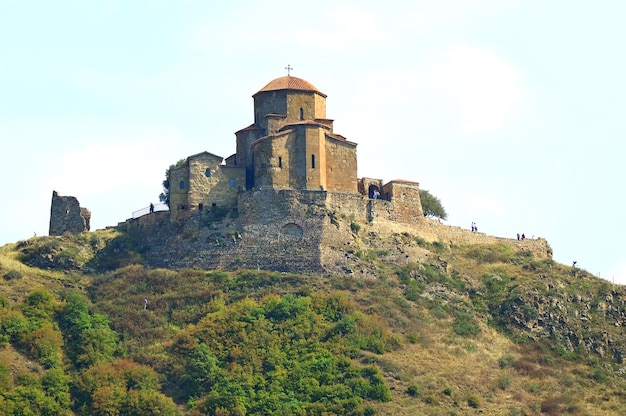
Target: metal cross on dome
(289, 69)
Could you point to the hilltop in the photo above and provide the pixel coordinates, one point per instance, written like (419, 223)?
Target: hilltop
(89, 328)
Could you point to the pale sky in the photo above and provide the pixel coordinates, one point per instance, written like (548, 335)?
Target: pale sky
(511, 112)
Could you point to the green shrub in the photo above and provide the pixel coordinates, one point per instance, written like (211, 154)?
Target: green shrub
(506, 361)
(465, 324)
(438, 246)
(599, 375)
(504, 382)
(218, 276)
(13, 275)
(12, 325)
(413, 390)
(431, 400)
(265, 356)
(421, 242)
(490, 253)
(355, 227)
(369, 410)
(44, 345)
(473, 401)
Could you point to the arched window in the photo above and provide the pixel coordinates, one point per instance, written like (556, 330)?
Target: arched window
(312, 161)
(280, 162)
(301, 113)
(207, 173)
(181, 185)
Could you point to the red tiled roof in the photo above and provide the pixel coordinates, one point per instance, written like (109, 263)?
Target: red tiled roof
(250, 127)
(290, 83)
(405, 181)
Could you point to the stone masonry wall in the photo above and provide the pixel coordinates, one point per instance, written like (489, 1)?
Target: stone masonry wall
(273, 163)
(290, 231)
(66, 215)
(341, 165)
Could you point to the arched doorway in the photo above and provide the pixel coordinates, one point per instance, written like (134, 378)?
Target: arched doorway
(374, 192)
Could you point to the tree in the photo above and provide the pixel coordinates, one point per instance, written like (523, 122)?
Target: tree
(89, 338)
(164, 197)
(431, 205)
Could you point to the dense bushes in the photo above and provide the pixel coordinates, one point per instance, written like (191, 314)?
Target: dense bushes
(88, 336)
(277, 355)
(121, 388)
(59, 337)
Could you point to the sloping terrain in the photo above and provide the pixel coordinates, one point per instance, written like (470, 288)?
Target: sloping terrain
(85, 328)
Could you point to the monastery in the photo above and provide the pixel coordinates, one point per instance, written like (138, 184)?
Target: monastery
(289, 200)
(290, 145)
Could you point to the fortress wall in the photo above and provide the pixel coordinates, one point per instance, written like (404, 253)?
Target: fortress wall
(461, 236)
(283, 228)
(406, 199)
(400, 212)
(405, 211)
(150, 231)
(348, 204)
(291, 231)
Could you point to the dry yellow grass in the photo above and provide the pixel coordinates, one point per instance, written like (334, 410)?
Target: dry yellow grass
(487, 374)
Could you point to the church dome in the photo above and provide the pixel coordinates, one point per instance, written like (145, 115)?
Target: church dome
(290, 83)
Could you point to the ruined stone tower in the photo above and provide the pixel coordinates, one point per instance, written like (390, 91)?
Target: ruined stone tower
(66, 215)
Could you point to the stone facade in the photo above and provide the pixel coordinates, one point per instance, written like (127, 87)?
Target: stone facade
(203, 182)
(298, 231)
(66, 215)
(290, 145)
(289, 199)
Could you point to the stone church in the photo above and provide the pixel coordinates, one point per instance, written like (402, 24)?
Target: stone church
(289, 200)
(290, 145)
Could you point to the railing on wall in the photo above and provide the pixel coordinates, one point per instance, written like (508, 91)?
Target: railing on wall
(143, 211)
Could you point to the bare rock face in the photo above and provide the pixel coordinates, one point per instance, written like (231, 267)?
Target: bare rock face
(591, 322)
(66, 215)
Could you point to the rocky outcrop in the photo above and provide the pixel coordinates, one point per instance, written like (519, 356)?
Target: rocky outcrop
(592, 322)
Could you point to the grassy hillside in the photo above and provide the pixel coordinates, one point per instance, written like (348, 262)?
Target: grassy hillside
(86, 329)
